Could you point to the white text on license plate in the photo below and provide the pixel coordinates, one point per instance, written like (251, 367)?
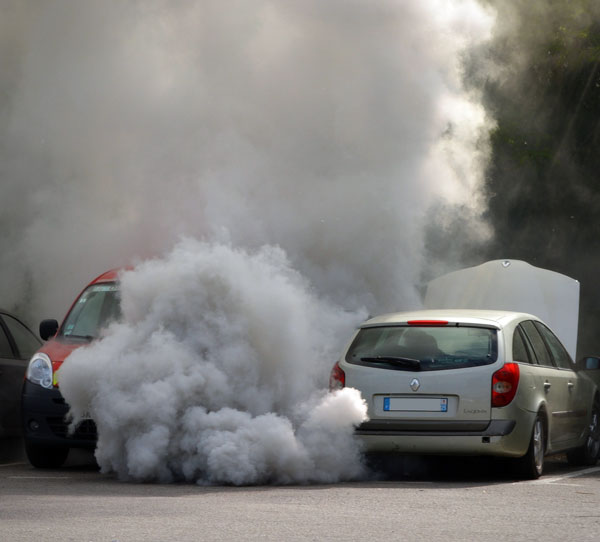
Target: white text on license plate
(415, 404)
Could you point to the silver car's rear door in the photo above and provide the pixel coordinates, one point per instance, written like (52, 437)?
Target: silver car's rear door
(425, 375)
(460, 397)
(566, 416)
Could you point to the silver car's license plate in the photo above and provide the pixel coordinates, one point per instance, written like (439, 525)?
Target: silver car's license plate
(415, 404)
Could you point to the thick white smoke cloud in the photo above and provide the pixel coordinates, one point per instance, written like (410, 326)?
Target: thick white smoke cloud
(327, 128)
(323, 130)
(214, 374)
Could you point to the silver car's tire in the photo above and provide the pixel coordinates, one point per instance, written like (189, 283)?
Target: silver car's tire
(588, 453)
(531, 465)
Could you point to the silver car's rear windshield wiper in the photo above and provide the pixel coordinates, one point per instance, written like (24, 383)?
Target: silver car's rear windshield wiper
(395, 360)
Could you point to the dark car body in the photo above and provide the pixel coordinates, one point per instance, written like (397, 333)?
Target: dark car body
(17, 344)
(44, 410)
(590, 366)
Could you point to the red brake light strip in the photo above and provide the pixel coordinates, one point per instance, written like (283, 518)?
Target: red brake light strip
(427, 323)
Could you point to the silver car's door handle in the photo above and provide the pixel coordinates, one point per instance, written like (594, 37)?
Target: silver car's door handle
(547, 386)
(570, 385)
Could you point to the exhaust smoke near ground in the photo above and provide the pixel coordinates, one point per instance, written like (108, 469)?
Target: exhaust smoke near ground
(303, 144)
(217, 376)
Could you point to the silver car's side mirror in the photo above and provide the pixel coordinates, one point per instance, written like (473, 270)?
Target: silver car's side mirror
(589, 363)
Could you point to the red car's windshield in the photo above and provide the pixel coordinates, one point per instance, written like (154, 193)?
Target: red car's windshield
(96, 308)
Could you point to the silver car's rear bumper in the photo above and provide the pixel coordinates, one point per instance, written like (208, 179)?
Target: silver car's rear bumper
(494, 428)
(496, 437)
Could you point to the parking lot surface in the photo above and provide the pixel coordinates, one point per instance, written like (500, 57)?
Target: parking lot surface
(424, 499)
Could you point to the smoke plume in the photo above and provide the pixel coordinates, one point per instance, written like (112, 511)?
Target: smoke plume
(214, 374)
(302, 144)
(325, 128)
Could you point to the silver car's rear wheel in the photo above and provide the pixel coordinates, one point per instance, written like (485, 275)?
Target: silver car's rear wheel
(589, 452)
(538, 446)
(531, 465)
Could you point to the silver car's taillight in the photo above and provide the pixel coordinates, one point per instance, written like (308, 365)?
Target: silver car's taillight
(505, 382)
(337, 378)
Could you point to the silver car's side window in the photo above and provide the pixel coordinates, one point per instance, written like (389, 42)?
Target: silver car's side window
(539, 346)
(520, 349)
(560, 355)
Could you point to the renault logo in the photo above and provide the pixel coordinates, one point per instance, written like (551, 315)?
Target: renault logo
(414, 384)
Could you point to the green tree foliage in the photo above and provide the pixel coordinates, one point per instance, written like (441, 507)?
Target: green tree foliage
(543, 181)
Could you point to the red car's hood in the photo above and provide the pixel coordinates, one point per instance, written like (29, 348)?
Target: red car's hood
(59, 348)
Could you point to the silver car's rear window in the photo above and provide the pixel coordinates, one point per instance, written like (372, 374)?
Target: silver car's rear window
(424, 348)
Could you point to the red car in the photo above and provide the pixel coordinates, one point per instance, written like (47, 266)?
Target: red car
(45, 431)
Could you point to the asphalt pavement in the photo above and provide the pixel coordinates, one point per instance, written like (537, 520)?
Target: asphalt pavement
(424, 499)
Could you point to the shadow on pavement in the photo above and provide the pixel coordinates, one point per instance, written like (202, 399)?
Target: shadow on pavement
(12, 450)
(393, 467)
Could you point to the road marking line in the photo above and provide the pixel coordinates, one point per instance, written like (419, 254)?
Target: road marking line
(571, 484)
(565, 476)
(40, 477)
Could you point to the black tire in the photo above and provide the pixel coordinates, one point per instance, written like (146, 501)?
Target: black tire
(588, 453)
(531, 465)
(46, 457)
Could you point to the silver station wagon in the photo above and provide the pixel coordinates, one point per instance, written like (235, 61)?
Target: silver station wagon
(471, 382)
